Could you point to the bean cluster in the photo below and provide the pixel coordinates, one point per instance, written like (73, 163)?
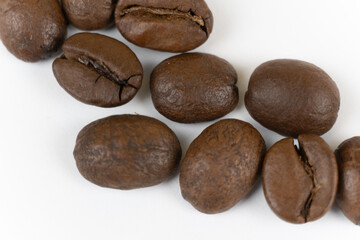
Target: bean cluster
(293, 98)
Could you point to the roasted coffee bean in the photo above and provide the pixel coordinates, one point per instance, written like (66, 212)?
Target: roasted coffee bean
(127, 152)
(292, 97)
(173, 26)
(221, 166)
(89, 14)
(194, 87)
(98, 70)
(348, 198)
(300, 183)
(32, 29)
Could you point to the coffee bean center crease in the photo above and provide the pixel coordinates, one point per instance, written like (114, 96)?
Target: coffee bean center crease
(103, 71)
(311, 173)
(167, 12)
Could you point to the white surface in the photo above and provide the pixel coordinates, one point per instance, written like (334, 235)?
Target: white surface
(44, 197)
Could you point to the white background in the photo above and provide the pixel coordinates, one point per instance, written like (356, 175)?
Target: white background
(44, 197)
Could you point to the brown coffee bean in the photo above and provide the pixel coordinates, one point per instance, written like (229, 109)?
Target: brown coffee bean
(32, 29)
(173, 26)
(89, 14)
(348, 198)
(292, 97)
(194, 87)
(98, 70)
(127, 152)
(300, 184)
(221, 166)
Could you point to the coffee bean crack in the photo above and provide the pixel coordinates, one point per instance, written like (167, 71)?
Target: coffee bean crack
(168, 12)
(311, 173)
(104, 71)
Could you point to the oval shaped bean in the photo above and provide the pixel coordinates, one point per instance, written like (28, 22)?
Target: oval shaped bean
(221, 165)
(173, 26)
(127, 152)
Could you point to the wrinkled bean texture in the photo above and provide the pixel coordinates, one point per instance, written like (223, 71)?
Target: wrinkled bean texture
(173, 26)
(348, 198)
(221, 165)
(194, 87)
(89, 14)
(300, 183)
(32, 29)
(98, 70)
(293, 97)
(127, 152)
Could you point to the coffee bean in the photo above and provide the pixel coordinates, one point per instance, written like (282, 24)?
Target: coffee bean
(300, 184)
(194, 87)
(293, 97)
(32, 29)
(89, 14)
(348, 198)
(98, 70)
(173, 26)
(127, 152)
(221, 166)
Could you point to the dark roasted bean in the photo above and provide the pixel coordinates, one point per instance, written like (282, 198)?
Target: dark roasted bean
(174, 26)
(293, 97)
(89, 14)
(127, 152)
(221, 166)
(98, 70)
(32, 29)
(348, 198)
(194, 87)
(300, 183)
